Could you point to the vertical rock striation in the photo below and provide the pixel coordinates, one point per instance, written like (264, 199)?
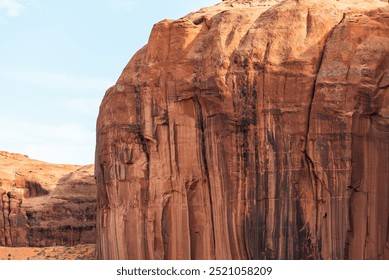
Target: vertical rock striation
(14, 227)
(250, 130)
(348, 139)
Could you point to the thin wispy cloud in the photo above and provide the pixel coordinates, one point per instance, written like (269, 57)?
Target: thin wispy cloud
(47, 141)
(86, 107)
(121, 5)
(13, 8)
(55, 81)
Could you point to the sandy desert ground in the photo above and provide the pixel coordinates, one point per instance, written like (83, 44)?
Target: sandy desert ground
(79, 252)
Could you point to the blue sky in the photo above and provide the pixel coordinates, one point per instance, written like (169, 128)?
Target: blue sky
(57, 58)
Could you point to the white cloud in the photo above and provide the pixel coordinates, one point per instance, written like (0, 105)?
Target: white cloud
(34, 132)
(57, 143)
(55, 81)
(65, 154)
(65, 130)
(121, 5)
(13, 8)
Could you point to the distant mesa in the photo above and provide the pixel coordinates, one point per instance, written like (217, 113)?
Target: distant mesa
(43, 204)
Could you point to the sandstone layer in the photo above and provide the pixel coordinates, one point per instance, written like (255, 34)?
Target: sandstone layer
(44, 204)
(250, 130)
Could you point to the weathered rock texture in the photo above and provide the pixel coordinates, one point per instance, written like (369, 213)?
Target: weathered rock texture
(13, 220)
(250, 130)
(45, 204)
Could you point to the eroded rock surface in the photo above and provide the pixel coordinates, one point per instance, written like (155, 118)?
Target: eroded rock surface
(44, 204)
(250, 130)
(13, 220)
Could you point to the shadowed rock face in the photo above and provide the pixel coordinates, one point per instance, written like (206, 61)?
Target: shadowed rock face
(67, 216)
(44, 204)
(250, 130)
(13, 220)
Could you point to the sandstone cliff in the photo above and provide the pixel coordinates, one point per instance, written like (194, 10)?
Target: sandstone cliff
(250, 130)
(13, 220)
(44, 204)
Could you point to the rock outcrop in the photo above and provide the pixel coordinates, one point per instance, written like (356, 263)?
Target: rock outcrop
(44, 204)
(250, 130)
(13, 220)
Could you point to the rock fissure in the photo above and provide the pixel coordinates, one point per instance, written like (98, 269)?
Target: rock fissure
(312, 98)
(205, 163)
(309, 23)
(310, 163)
(9, 219)
(5, 221)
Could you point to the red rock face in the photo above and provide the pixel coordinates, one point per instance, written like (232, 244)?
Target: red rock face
(348, 139)
(67, 216)
(13, 220)
(250, 130)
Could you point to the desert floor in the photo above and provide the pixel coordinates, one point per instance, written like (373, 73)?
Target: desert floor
(79, 252)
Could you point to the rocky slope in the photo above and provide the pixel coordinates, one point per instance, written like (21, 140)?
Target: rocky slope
(250, 130)
(44, 204)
